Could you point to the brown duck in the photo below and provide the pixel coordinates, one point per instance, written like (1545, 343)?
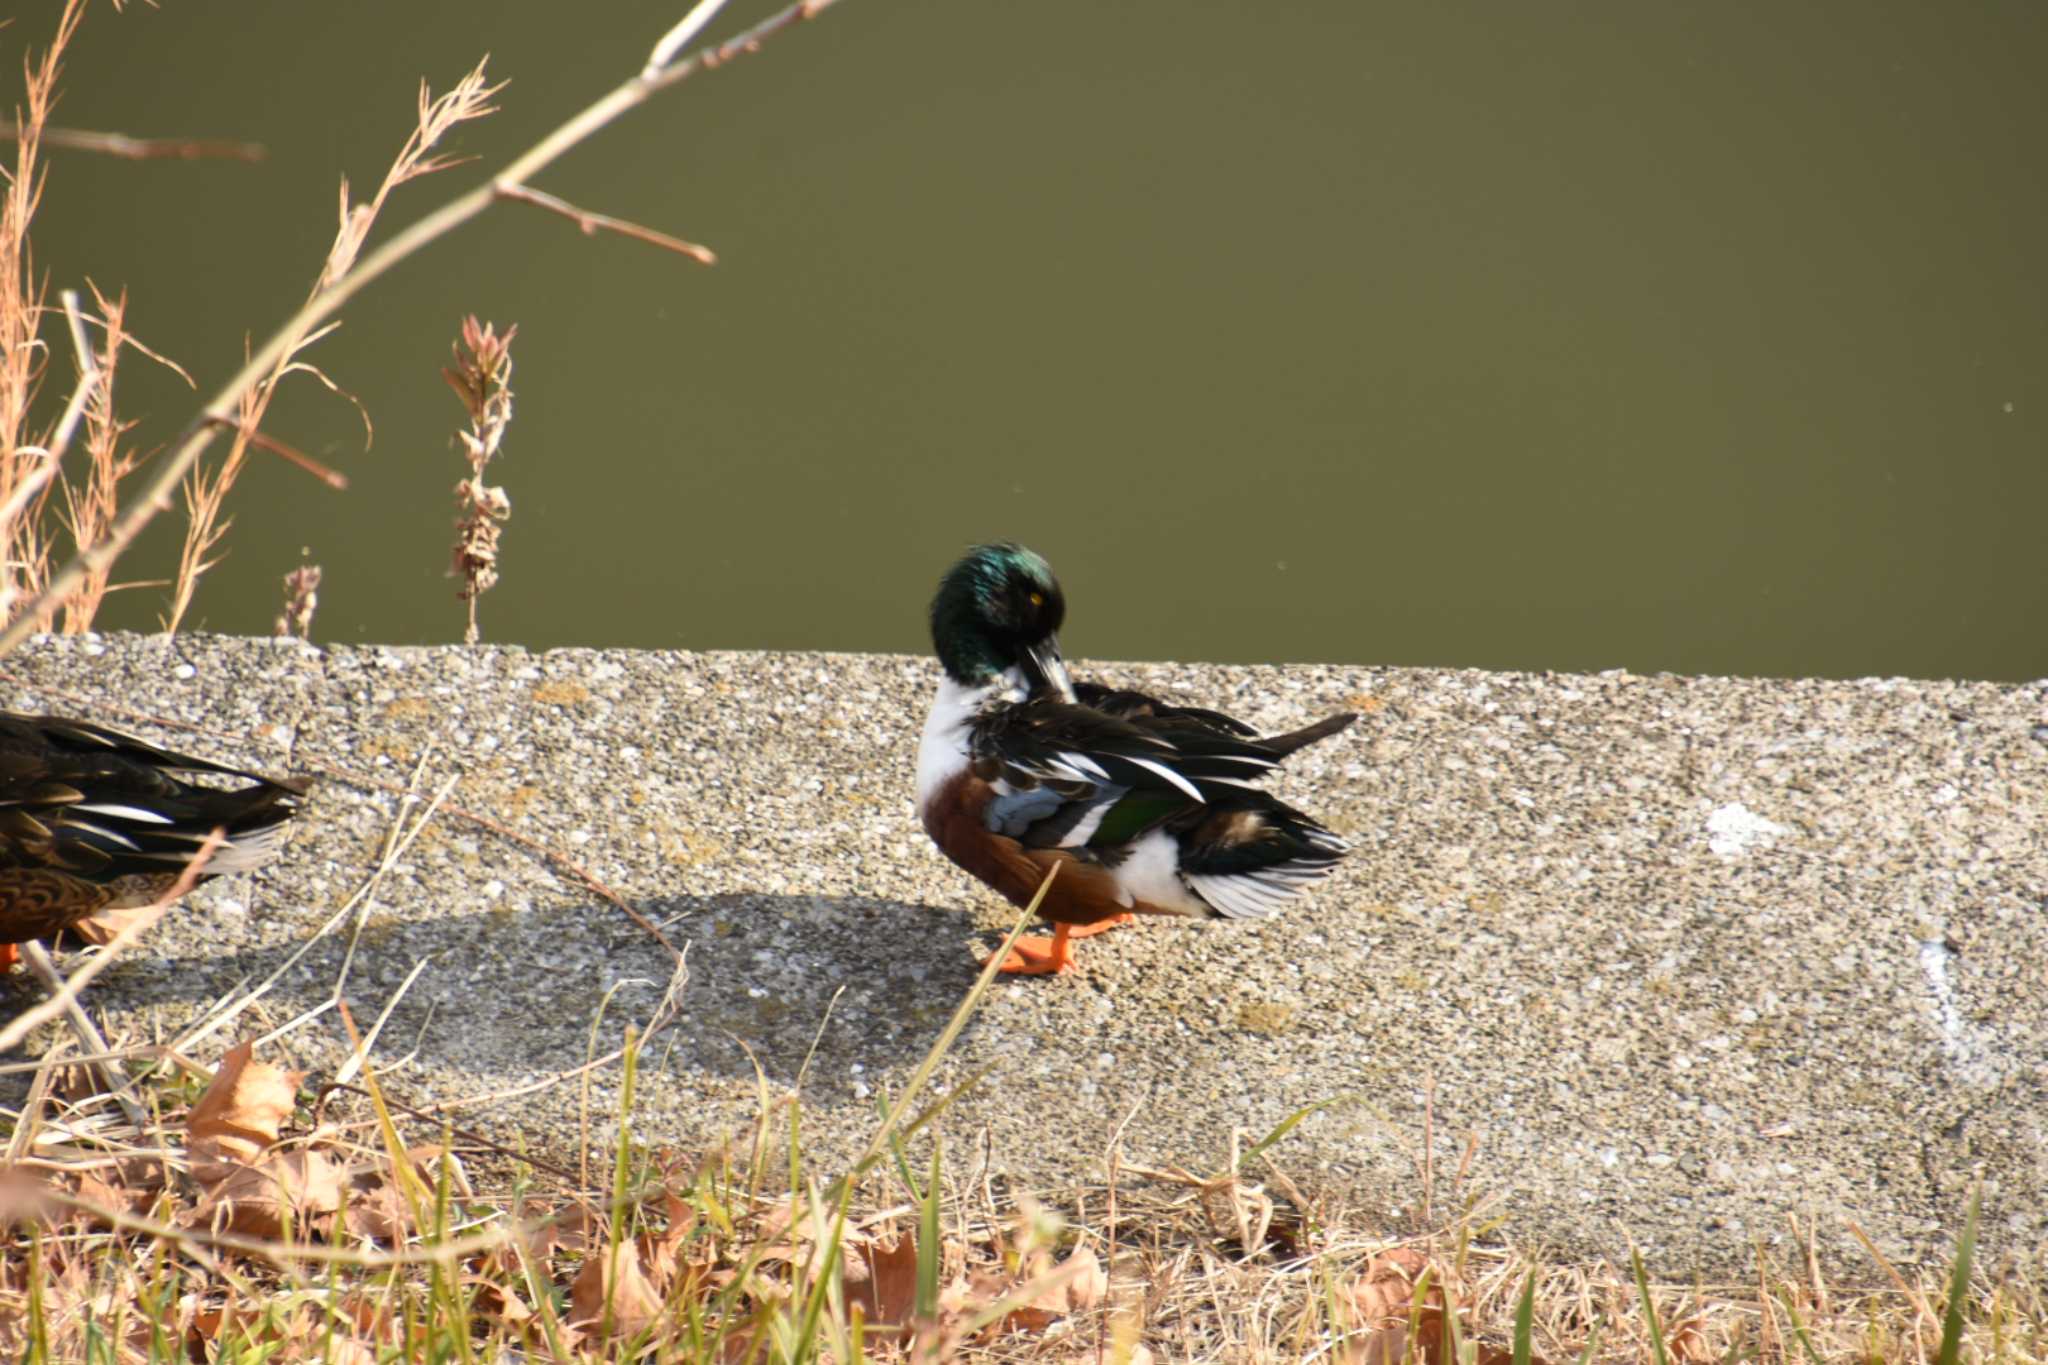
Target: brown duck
(93, 821)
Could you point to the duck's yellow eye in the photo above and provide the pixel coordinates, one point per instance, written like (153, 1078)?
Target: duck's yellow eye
(1038, 599)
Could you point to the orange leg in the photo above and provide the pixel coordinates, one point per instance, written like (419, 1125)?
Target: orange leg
(1051, 956)
(8, 957)
(1087, 930)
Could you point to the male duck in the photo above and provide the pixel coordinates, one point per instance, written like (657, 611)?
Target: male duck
(92, 820)
(1146, 808)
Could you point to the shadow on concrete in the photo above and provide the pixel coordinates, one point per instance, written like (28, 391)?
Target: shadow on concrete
(861, 986)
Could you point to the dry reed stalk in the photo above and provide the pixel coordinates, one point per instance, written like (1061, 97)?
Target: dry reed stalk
(206, 489)
(23, 355)
(128, 148)
(482, 380)
(301, 600)
(90, 510)
(345, 275)
(32, 476)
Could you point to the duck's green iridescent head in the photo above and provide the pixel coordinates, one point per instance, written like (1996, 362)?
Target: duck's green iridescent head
(1000, 608)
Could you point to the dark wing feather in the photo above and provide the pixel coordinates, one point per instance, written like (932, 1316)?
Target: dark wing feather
(1075, 776)
(1127, 705)
(95, 804)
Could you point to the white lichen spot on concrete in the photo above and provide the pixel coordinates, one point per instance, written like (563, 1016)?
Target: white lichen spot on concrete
(1959, 1043)
(1735, 829)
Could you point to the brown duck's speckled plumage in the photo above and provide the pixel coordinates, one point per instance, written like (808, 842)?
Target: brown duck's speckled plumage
(94, 820)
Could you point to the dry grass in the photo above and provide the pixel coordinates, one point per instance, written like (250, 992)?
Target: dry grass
(206, 486)
(343, 1228)
(42, 503)
(33, 591)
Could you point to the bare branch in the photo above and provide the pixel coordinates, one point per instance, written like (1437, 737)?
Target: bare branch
(681, 36)
(593, 223)
(333, 478)
(142, 148)
(333, 293)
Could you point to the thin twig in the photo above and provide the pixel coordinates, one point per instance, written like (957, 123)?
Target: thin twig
(333, 478)
(464, 1134)
(680, 37)
(88, 376)
(553, 857)
(593, 223)
(38, 959)
(326, 301)
(284, 1253)
(142, 148)
(34, 1018)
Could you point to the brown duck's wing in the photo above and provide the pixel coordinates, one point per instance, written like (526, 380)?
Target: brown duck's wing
(92, 819)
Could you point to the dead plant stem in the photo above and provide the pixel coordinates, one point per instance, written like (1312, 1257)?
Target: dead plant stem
(326, 301)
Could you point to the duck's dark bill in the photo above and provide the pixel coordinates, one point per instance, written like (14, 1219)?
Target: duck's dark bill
(1048, 669)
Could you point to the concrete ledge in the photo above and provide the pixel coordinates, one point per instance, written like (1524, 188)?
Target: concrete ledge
(1688, 954)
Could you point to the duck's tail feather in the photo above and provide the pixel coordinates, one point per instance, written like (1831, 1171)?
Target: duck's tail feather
(1282, 745)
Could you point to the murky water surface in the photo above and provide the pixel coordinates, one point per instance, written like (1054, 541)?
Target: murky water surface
(1706, 338)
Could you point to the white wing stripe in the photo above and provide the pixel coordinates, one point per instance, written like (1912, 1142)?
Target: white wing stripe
(1085, 764)
(135, 813)
(1169, 774)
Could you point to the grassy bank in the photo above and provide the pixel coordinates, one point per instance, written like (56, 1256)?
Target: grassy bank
(253, 1214)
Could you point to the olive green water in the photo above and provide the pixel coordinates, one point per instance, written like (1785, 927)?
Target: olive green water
(1707, 338)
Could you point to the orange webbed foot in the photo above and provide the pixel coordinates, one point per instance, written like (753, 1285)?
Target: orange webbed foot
(9, 956)
(1040, 956)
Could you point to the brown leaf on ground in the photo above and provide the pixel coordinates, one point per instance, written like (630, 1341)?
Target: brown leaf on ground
(24, 1195)
(296, 1189)
(1388, 1345)
(882, 1281)
(118, 1197)
(1386, 1287)
(577, 1228)
(377, 1208)
(632, 1300)
(682, 1220)
(1687, 1343)
(241, 1112)
(1090, 1280)
(496, 1299)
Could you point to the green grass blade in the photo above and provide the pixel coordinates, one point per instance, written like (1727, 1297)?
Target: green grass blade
(1286, 1126)
(1592, 1344)
(1635, 1260)
(928, 1243)
(878, 1144)
(1959, 1285)
(1799, 1327)
(1525, 1319)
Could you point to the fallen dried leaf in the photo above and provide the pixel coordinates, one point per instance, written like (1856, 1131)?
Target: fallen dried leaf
(1090, 1281)
(241, 1112)
(1386, 1286)
(260, 1200)
(631, 1300)
(377, 1208)
(882, 1281)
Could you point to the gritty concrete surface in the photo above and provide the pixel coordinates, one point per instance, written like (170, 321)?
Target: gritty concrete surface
(1687, 955)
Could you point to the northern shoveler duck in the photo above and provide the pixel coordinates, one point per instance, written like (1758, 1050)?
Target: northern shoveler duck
(92, 821)
(1147, 808)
